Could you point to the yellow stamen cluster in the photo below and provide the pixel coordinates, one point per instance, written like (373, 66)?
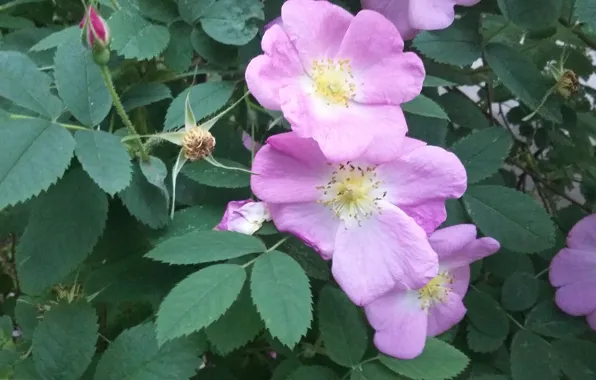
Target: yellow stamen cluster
(197, 144)
(334, 81)
(353, 193)
(436, 291)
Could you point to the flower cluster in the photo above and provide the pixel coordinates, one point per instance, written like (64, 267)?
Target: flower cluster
(347, 180)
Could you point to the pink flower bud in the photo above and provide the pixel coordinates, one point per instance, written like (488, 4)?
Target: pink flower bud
(95, 28)
(245, 216)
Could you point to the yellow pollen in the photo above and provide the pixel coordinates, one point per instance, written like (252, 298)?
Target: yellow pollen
(353, 193)
(436, 290)
(333, 81)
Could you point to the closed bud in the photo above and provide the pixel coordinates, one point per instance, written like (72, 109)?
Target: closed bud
(95, 30)
(197, 144)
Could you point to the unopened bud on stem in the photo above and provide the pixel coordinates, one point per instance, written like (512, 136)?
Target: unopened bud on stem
(96, 35)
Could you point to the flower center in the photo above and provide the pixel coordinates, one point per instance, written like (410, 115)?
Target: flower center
(353, 193)
(436, 291)
(333, 80)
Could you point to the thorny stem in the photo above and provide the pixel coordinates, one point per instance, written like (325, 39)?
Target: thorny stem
(107, 77)
(15, 116)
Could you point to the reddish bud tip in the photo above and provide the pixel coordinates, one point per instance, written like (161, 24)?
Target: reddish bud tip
(94, 27)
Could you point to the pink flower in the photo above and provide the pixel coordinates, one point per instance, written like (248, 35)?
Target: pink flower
(412, 16)
(404, 318)
(245, 217)
(249, 143)
(337, 78)
(95, 27)
(371, 219)
(573, 272)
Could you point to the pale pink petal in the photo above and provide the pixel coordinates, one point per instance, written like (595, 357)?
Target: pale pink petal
(443, 316)
(369, 39)
(281, 178)
(305, 150)
(249, 143)
(451, 240)
(431, 14)
(396, 79)
(386, 251)
(391, 142)
(266, 74)
(473, 251)
(583, 234)
(428, 215)
(578, 298)
(572, 265)
(316, 28)
(591, 319)
(400, 324)
(461, 279)
(410, 144)
(396, 12)
(426, 174)
(343, 133)
(312, 222)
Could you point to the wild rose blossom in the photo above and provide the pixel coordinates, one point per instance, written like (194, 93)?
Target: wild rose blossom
(573, 272)
(95, 27)
(245, 216)
(412, 16)
(337, 78)
(403, 318)
(371, 219)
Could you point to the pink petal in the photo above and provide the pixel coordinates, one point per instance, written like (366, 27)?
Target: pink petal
(591, 319)
(426, 174)
(461, 279)
(316, 28)
(431, 14)
(266, 74)
(578, 298)
(249, 143)
(583, 234)
(302, 149)
(400, 324)
(396, 79)
(572, 265)
(443, 316)
(390, 142)
(429, 215)
(343, 133)
(388, 250)
(450, 240)
(369, 39)
(396, 12)
(281, 178)
(311, 222)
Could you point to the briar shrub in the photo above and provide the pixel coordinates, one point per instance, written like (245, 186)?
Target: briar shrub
(304, 190)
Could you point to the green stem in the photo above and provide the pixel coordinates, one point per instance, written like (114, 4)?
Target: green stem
(15, 116)
(107, 77)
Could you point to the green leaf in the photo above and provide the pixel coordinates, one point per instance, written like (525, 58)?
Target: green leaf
(64, 341)
(145, 201)
(105, 159)
(430, 81)
(523, 79)
(206, 174)
(281, 292)
(576, 358)
(159, 10)
(233, 22)
(313, 372)
(438, 361)
(523, 13)
(460, 44)
(155, 172)
(514, 219)
(143, 94)
(49, 250)
(178, 54)
(486, 315)
(239, 325)
(546, 319)
(211, 50)
(35, 154)
(463, 112)
(313, 264)
(12, 22)
(505, 263)
(22, 83)
(134, 37)
(191, 10)
(480, 342)
(201, 217)
(585, 11)
(519, 292)
(483, 152)
(532, 358)
(199, 300)
(198, 247)
(205, 99)
(423, 106)
(135, 355)
(80, 83)
(343, 331)
(26, 316)
(56, 39)
(373, 371)
(428, 129)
